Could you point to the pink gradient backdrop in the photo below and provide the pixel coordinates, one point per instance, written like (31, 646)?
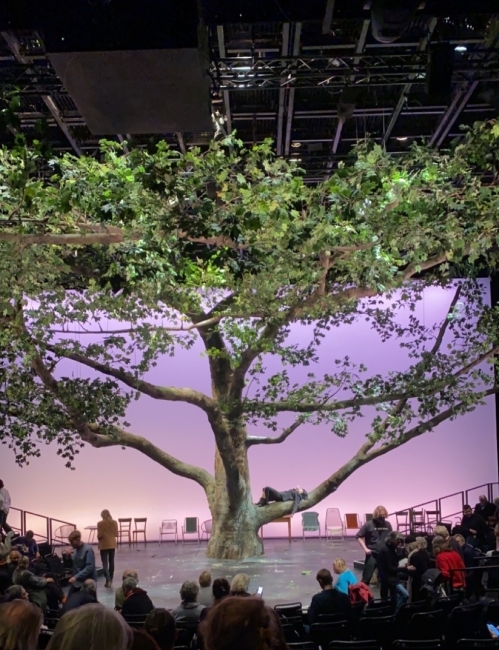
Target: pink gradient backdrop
(457, 455)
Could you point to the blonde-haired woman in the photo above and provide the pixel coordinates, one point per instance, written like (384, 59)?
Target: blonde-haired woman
(20, 624)
(91, 627)
(107, 532)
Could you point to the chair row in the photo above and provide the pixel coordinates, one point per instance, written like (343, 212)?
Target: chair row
(191, 527)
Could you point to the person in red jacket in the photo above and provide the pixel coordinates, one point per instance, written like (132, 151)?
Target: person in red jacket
(446, 559)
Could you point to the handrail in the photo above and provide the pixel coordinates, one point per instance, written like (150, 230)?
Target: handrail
(48, 535)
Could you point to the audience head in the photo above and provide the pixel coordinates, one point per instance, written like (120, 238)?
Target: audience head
(91, 627)
(240, 583)
(339, 565)
(189, 592)
(238, 624)
(220, 588)
(394, 539)
(129, 584)
(1, 484)
(17, 592)
(75, 539)
(205, 579)
(130, 573)
(20, 624)
(467, 510)
(440, 544)
(29, 535)
(324, 578)
(422, 541)
(15, 556)
(105, 514)
(483, 499)
(23, 563)
(459, 539)
(160, 624)
(143, 641)
(441, 531)
(90, 587)
(380, 513)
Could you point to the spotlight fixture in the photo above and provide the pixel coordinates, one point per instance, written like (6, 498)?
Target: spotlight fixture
(402, 138)
(295, 145)
(460, 48)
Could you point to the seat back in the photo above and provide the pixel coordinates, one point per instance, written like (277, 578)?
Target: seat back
(141, 521)
(406, 611)
(352, 520)
(169, 526)
(125, 525)
(378, 628)
(302, 645)
(136, 621)
(354, 645)
(323, 633)
(409, 644)
(62, 533)
(287, 610)
(426, 625)
(466, 622)
(310, 520)
(333, 518)
(290, 634)
(207, 526)
(477, 644)
(191, 524)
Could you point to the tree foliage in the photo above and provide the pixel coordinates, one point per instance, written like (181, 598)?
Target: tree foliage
(150, 249)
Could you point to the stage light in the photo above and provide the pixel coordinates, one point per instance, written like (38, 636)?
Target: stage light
(402, 138)
(460, 48)
(295, 145)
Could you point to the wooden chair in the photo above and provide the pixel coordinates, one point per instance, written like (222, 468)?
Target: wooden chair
(190, 527)
(403, 523)
(124, 530)
(168, 527)
(140, 529)
(418, 521)
(352, 521)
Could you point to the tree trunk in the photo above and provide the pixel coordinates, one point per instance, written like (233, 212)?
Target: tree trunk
(235, 525)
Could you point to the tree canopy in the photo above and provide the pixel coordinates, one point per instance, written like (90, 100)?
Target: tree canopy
(149, 249)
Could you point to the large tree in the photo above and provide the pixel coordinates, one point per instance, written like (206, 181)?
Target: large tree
(231, 246)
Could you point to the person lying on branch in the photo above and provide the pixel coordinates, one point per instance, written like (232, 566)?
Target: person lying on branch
(297, 495)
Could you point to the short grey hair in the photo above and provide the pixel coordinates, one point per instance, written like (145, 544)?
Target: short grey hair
(130, 573)
(89, 586)
(240, 582)
(16, 591)
(189, 591)
(129, 583)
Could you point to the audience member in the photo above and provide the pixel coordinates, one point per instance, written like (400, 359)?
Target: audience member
(205, 596)
(389, 570)
(370, 536)
(160, 624)
(473, 527)
(119, 596)
(55, 595)
(221, 589)
(447, 559)
(14, 558)
(27, 545)
(20, 624)
(34, 585)
(137, 602)
(143, 641)
(239, 585)
(329, 600)
(16, 592)
(443, 531)
(5, 569)
(85, 596)
(83, 562)
(107, 532)
(418, 558)
(189, 610)
(494, 551)
(345, 576)
(484, 508)
(4, 508)
(238, 624)
(92, 627)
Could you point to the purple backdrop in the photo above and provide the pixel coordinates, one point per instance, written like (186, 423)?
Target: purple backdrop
(455, 456)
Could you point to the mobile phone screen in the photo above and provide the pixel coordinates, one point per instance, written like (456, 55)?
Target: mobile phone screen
(259, 591)
(493, 629)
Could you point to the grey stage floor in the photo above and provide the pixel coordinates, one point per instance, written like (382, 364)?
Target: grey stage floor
(286, 571)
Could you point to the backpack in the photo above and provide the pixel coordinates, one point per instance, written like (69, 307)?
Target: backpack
(360, 593)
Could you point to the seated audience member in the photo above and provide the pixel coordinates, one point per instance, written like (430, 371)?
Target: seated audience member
(5, 572)
(143, 641)
(220, 589)
(205, 596)
(239, 585)
(34, 585)
(20, 624)
(494, 551)
(493, 574)
(92, 627)
(345, 576)
(484, 508)
(189, 610)
(137, 602)
(55, 595)
(160, 624)
(238, 624)
(119, 596)
(389, 569)
(419, 558)
(442, 531)
(446, 559)
(27, 545)
(14, 558)
(329, 600)
(85, 596)
(16, 592)
(83, 557)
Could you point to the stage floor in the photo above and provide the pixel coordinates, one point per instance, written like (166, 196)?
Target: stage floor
(286, 571)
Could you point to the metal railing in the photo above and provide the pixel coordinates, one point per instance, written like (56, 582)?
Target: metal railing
(43, 527)
(444, 510)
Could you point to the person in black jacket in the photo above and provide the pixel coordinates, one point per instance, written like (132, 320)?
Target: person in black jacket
(85, 596)
(389, 570)
(137, 602)
(484, 508)
(296, 494)
(420, 559)
(329, 600)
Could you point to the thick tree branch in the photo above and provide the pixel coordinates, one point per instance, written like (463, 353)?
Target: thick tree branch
(365, 454)
(268, 440)
(170, 393)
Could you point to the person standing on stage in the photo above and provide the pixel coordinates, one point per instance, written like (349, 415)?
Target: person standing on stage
(83, 562)
(107, 532)
(370, 536)
(4, 508)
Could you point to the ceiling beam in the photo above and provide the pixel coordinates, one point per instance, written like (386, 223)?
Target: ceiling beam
(56, 114)
(282, 90)
(458, 109)
(225, 93)
(328, 17)
(181, 141)
(291, 98)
